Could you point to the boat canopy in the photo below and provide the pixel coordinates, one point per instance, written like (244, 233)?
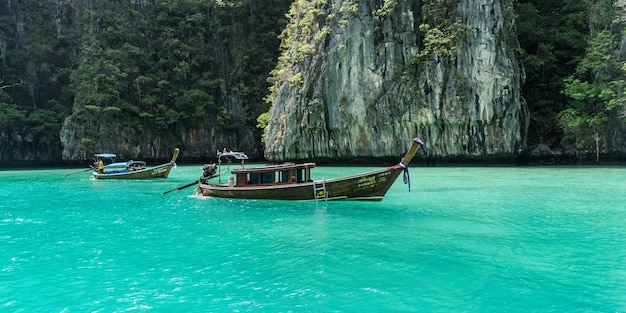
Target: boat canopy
(234, 155)
(107, 158)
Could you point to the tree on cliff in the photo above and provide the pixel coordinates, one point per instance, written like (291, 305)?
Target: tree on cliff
(595, 89)
(553, 35)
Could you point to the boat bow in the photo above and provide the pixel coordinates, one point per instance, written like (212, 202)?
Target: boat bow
(404, 163)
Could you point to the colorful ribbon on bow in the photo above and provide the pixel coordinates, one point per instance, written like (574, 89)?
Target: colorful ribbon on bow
(407, 178)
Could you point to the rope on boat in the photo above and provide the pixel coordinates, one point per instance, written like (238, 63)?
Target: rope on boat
(407, 178)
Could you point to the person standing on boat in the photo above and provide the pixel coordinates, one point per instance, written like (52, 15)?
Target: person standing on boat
(101, 166)
(208, 172)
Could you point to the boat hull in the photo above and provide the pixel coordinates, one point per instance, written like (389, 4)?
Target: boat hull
(370, 186)
(161, 171)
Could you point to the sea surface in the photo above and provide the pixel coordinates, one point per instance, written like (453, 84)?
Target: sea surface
(464, 239)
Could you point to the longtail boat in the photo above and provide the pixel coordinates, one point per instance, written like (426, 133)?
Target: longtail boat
(290, 181)
(105, 167)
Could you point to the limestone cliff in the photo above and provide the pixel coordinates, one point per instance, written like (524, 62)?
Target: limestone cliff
(361, 78)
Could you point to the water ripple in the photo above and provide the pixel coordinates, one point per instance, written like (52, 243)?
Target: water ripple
(467, 240)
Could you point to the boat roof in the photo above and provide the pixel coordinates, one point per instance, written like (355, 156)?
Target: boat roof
(105, 155)
(235, 155)
(274, 168)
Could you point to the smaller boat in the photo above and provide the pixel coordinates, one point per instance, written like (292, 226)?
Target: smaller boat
(290, 181)
(105, 167)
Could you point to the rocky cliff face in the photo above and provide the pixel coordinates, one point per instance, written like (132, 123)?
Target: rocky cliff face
(130, 136)
(357, 79)
(368, 76)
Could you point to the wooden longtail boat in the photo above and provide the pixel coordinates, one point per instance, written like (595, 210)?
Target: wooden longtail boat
(105, 167)
(291, 181)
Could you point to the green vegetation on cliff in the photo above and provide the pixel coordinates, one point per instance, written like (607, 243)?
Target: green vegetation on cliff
(132, 73)
(574, 73)
(89, 75)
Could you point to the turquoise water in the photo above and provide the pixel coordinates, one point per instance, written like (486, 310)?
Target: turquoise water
(463, 240)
